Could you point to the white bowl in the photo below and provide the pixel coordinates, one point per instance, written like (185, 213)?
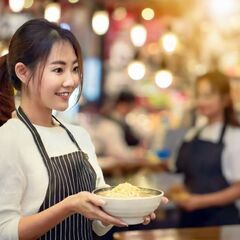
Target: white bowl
(131, 210)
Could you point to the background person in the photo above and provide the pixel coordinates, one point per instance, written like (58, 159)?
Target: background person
(209, 158)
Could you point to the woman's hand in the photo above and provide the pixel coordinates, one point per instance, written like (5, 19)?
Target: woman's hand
(191, 203)
(89, 205)
(152, 216)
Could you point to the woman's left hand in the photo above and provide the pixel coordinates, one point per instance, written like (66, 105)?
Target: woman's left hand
(191, 203)
(152, 216)
(149, 218)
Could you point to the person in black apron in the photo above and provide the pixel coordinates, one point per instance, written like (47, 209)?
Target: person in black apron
(45, 64)
(75, 171)
(201, 163)
(123, 105)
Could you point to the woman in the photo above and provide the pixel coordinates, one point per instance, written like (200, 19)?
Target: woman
(209, 158)
(47, 170)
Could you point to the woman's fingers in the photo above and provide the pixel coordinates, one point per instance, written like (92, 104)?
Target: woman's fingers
(104, 217)
(96, 200)
(153, 216)
(148, 218)
(164, 200)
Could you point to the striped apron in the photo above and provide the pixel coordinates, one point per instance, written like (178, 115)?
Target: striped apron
(68, 174)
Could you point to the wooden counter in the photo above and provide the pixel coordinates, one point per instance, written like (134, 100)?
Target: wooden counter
(210, 233)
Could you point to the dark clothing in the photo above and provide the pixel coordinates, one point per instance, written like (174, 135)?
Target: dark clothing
(130, 138)
(68, 174)
(200, 162)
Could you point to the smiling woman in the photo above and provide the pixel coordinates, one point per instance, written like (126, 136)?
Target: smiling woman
(45, 187)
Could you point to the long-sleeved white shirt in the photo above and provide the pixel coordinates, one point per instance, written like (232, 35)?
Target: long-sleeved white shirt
(23, 175)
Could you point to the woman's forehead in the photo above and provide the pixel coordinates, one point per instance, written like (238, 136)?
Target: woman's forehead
(62, 50)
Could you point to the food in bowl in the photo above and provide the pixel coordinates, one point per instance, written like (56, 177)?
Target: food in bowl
(129, 202)
(127, 190)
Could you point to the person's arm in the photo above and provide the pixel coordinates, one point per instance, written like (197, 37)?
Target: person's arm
(220, 198)
(84, 203)
(224, 197)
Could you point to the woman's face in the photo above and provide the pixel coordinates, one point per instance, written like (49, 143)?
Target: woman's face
(59, 78)
(209, 102)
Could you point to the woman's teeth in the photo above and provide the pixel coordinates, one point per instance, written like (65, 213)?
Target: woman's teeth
(63, 94)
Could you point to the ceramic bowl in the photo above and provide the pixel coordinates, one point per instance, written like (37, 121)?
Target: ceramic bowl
(131, 210)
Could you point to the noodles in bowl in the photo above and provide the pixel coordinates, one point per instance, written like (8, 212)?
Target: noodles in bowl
(126, 190)
(128, 202)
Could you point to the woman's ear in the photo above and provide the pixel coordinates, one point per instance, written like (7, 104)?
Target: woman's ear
(22, 72)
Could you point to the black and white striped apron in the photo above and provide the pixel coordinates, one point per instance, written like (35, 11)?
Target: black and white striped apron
(68, 174)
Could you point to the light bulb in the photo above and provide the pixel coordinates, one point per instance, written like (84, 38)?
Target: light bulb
(100, 22)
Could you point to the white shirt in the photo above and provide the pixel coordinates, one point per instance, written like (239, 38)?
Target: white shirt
(23, 175)
(231, 151)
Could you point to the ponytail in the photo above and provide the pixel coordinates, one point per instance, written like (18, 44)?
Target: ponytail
(7, 104)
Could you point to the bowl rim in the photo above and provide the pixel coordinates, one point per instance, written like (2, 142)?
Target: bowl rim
(161, 194)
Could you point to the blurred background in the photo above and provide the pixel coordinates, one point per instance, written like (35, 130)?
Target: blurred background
(153, 50)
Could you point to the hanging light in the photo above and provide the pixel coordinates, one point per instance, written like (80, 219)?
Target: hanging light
(16, 5)
(163, 78)
(100, 22)
(169, 42)
(136, 70)
(148, 14)
(73, 1)
(138, 35)
(28, 3)
(52, 12)
(119, 13)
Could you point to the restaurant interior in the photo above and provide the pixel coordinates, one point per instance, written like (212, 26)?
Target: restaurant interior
(154, 50)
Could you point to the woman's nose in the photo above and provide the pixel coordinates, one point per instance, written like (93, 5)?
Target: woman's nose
(71, 80)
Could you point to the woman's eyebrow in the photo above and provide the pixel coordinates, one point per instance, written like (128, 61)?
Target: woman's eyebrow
(62, 62)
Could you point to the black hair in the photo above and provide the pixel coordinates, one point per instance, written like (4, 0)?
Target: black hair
(31, 44)
(125, 97)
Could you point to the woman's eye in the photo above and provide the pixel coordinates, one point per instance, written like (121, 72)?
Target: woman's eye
(58, 70)
(76, 69)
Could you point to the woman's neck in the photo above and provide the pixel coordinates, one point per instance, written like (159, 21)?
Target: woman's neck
(38, 116)
(215, 119)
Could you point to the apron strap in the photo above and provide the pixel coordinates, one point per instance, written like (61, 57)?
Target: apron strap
(220, 141)
(69, 133)
(22, 116)
(222, 132)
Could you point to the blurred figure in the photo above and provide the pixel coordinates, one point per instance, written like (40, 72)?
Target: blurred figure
(7, 105)
(124, 104)
(117, 138)
(209, 158)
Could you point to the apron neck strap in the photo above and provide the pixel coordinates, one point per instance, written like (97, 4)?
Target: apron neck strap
(37, 139)
(23, 117)
(68, 132)
(221, 135)
(222, 132)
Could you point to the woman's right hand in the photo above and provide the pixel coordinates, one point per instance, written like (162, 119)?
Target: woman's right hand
(89, 205)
